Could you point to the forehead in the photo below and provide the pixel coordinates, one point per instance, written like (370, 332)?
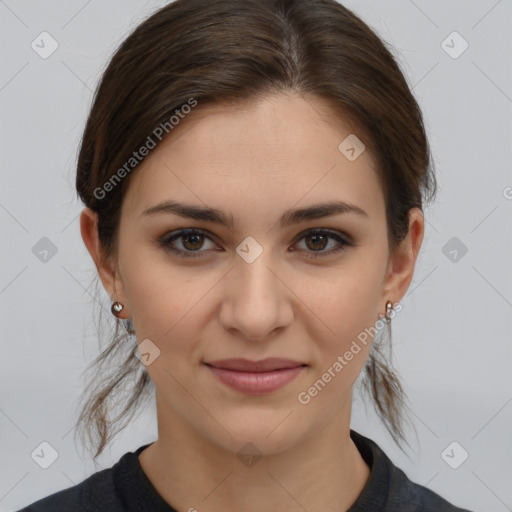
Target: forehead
(269, 154)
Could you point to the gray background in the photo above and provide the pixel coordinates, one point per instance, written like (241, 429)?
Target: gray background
(452, 338)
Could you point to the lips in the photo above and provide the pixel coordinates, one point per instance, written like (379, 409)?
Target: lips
(264, 365)
(256, 377)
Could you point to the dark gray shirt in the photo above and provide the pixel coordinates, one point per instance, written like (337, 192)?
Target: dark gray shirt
(125, 488)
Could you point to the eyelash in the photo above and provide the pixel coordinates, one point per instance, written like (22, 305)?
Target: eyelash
(166, 240)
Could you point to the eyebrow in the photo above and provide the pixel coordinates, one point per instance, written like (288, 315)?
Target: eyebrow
(290, 217)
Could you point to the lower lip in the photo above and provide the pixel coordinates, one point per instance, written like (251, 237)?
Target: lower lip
(256, 383)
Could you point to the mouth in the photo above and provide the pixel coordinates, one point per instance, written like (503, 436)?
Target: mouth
(264, 365)
(256, 377)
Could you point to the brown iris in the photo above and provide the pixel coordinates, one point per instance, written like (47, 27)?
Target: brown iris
(196, 242)
(317, 239)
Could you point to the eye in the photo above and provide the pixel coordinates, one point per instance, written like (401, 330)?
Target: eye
(192, 240)
(318, 239)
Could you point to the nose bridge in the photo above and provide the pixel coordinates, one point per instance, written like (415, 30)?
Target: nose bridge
(256, 302)
(256, 278)
(255, 259)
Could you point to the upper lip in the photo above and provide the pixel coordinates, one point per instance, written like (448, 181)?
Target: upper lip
(264, 365)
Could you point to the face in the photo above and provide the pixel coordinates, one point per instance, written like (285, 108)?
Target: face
(254, 287)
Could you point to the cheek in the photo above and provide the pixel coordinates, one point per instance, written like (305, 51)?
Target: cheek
(167, 301)
(347, 307)
(343, 339)
(155, 290)
(349, 300)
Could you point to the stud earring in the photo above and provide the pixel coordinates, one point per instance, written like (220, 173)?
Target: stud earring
(389, 309)
(116, 308)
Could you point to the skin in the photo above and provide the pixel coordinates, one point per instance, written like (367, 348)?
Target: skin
(254, 162)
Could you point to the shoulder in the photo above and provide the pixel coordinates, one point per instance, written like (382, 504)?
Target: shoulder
(389, 488)
(411, 496)
(91, 495)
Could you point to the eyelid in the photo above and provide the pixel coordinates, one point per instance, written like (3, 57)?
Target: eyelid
(346, 238)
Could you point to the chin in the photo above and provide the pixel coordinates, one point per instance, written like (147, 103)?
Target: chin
(269, 435)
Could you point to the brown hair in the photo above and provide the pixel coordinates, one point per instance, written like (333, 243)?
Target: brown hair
(217, 51)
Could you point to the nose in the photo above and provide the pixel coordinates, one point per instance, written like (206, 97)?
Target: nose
(256, 300)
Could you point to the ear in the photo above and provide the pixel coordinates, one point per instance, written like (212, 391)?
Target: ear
(402, 263)
(106, 268)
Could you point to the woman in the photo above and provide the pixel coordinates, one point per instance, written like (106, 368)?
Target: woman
(253, 174)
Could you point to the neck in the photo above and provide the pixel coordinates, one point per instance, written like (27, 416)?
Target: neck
(324, 473)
